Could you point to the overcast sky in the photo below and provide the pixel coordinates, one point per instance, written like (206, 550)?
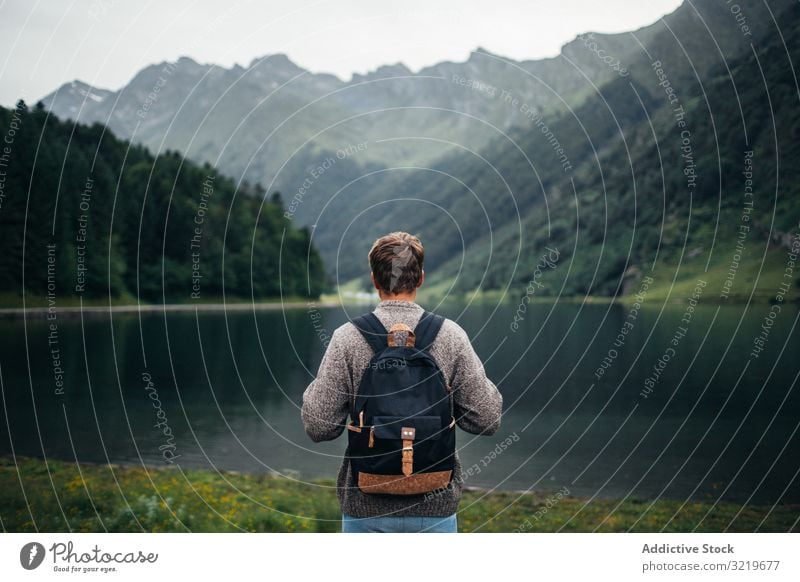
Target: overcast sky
(105, 42)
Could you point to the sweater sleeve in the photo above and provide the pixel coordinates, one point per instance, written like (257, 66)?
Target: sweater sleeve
(477, 401)
(326, 401)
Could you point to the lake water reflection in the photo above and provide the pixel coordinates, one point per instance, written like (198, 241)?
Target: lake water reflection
(213, 390)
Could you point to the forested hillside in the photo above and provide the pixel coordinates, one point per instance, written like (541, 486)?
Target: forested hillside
(685, 177)
(644, 176)
(84, 214)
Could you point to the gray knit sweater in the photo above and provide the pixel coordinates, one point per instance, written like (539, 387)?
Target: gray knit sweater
(329, 398)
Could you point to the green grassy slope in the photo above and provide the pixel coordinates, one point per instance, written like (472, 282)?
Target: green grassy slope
(632, 211)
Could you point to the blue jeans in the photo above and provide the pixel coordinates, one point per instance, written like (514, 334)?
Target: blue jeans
(397, 524)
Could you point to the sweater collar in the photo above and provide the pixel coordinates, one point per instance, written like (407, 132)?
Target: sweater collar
(391, 303)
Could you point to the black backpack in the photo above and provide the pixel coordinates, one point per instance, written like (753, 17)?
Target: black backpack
(402, 437)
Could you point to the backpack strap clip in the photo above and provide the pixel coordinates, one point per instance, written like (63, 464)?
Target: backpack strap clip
(407, 433)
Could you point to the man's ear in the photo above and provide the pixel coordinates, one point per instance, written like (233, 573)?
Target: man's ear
(374, 284)
(421, 279)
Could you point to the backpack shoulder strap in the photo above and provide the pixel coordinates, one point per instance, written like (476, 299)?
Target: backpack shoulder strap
(427, 329)
(372, 329)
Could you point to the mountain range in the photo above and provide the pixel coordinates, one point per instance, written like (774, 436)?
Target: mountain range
(624, 153)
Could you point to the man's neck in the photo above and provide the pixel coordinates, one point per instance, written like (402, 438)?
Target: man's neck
(411, 298)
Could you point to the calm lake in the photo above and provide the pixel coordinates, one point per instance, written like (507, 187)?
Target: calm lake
(600, 398)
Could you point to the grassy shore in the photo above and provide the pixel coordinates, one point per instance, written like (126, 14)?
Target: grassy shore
(59, 496)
